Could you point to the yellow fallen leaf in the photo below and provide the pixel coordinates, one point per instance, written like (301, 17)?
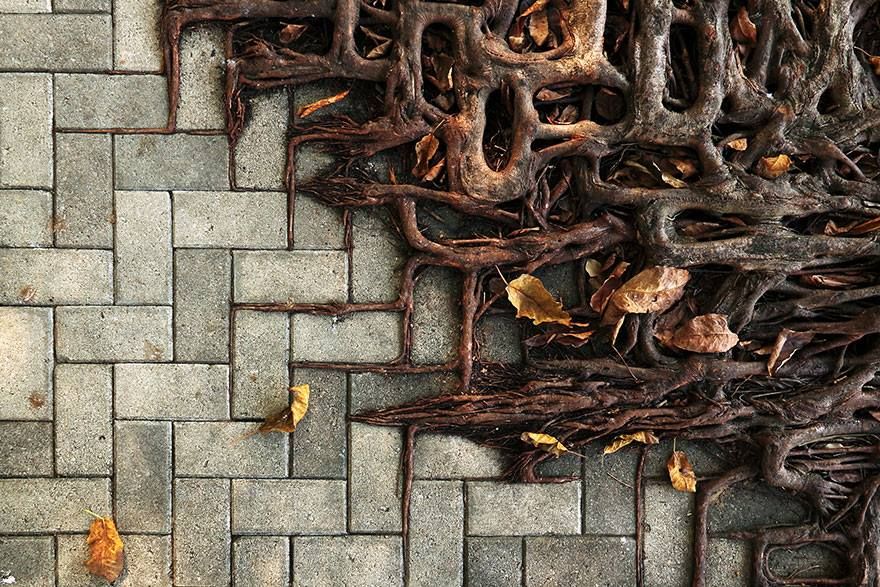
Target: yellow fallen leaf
(532, 300)
(739, 144)
(773, 167)
(287, 419)
(708, 333)
(652, 290)
(322, 103)
(643, 436)
(681, 473)
(545, 442)
(106, 550)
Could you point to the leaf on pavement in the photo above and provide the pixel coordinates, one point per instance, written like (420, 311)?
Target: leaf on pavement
(532, 300)
(106, 550)
(545, 442)
(681, 473)
(653, 290)
(322, 103)
(643, 436)
(287, 419)
(708, 333)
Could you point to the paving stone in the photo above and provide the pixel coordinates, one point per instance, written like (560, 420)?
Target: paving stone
(436, 536)
(172, 391)
(353, 561)
(25, 6)
(25, 116)
(362, 337)
(84, 212)
(499, 339)
(319, 277)
(310, 161)
(494, 561)
(25, 218)
(807, 562)
(378, 256)
(668, 535)
(83, 420)
(260, 560)
(750, 506)
(260, 352)
(143, 477)
(581, 560)
(561, 282)
(202, 79)
(85, 100)
(147, 562)
(31, 560)
(26, 369)
(373, 482)
(729, 563)
(56, 276)
(143, 248)
(51, 505)
(202, 289)
(609, 506)
(83, 5)
(707, 459)
(136, 36)
(288, 506)
(320, 442)
(317, 225)
(517, 509)
(166, 162)
(26, 450)
(95, 334)
(241, 220)
(437, 318)
(222, 449)
(371, 391)
(261, 151)
(446, 456)
(56, 42)
(201, 532)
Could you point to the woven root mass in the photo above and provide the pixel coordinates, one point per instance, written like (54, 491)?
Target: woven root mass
(737, 139)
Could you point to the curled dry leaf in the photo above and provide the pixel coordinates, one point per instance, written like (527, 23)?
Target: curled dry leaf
(291, 33)
(599, 299)
(681, 473)
(708, 333)
(787, 343)
(593, 267)
(532, 300)
(742, 29)
(106, 550)
(773, 167)
(642, 436)
(322, 103)
(426, 149)
(739, 144)
(672, 181)
(652, 290)
(287, 419)
(545, 442)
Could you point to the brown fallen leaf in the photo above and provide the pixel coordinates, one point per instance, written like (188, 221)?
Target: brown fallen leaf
(426, 148)
(773, 167)
(599, 299)
(532, 300)
(539, 27)
(106, 550)
(787, 343)
(866, 227)
(643, 436)
(322, 103)
(287, 419)
(545, 442)
(739, 144)
(681, 473)
(672, 181)
(742, 29)
(291, 33)
(875, 63)
(708, 333)
(577, 335)
(653, 290)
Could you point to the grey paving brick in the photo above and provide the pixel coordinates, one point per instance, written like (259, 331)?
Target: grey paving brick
(581, 560)
(56, 42)
(142, 487)
(288, 506)
(310, 161)
(25, 6)
(362, 337)
(436, 320)
(260, 351)
(261, 151)
(143, 248)
(316, 225)
(668, 535)
(172, 391)
(444, 456)
(51, 505)
(224, 449)
(499, 339)
(750, 506)
(147, 562)
(516, 509)
(166, 162)
(56, 276)
(83, 5)
(706, 459)
(609, 506)
(95, 334)
(26, 369)
(436, 536)
(806, 562)
(353, 561)
(26, 449)
(561, 281)
(202, 288)
(25, 116)
(136, 37)
(31, 560)
(319, 277)
(378, 256)
(25, 218)
(373, 483)
(84, 213)
(83, 420)
(320, 441)
(371, 391)
(729, 563)
(494, 561)
(84, 100)
(260, 560)
(201, 532)
(241, 220)
(202, 68)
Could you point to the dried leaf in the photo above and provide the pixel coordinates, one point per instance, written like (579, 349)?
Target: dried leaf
(322, 103)
(593, 267)
(773, 167)
(380, 50)
(652, 290)
(426, 148)
(551, 95)
(673, 181)
(576, 336)
(539, 28)
(539, 5)
(566, 115)
(106, 550)
(875, 63)
(681, 473)
(545, 442)
(742, 29)
(442, 77)
(739, 144)
(866, 227)
(287, 419)
(643, 436)
(787, 343)
(599, 299)
(532, 300)
(708, 333)
(291, 32)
